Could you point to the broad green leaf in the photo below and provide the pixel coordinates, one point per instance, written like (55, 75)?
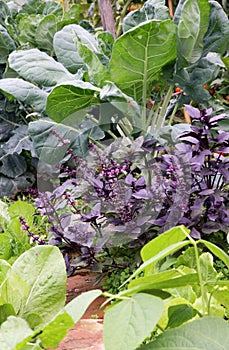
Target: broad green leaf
(66, 99)
(77, 307)
(7, 45)
(179, 314)
(22, 208)
(4, 268)
(192, 27)
(43, 269)
(145, 283)
(164, 240)
(14, 291)
(129, 322)
(47, 144)
(38, 67)
(98, 73)
(25, 92)
(14, 331)
(217, 37)
(5, 246)
(32, 7)
(207, 333)
(146, 266)
(45, 33)
(65, 47)
(152, 9)
(216, 251)
(140, 54)
(56, 330)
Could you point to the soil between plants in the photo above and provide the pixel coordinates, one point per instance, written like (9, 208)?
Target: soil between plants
(87, 334)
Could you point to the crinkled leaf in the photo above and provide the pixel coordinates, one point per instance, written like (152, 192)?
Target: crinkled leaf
(192, 27)
(66, 99)
(106, 42)
(129, 322)
(207, 333)
(25, 92)
(77, 307)
(65, 47)
(152, 9)
(134, 67)
(26, 29)
(45, 33)
(7, 45)
(37, 66)
(43, 269)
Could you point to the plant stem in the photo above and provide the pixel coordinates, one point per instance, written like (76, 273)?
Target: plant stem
(122, 15)
(161, 118)
(202, 289)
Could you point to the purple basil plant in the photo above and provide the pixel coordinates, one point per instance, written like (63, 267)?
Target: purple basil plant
(127, 192)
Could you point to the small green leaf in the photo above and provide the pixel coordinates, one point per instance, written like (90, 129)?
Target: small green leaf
(216, 251)
(5, 246)
(179, 314)
(164, 240)
(56, 330)
(129, 322)
(97, 71)
(207, 333)
(77, 307)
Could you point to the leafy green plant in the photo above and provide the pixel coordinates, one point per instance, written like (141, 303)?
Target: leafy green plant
(171, 299)
(13, 239)
(117, 76)
(32, 299)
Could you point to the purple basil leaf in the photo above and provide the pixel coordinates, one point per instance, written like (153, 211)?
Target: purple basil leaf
(192, 111)
(195, 233)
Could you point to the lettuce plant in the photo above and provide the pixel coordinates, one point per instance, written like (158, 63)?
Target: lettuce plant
(33, 314)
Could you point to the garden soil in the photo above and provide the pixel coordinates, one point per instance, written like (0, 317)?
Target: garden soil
(87, 333)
